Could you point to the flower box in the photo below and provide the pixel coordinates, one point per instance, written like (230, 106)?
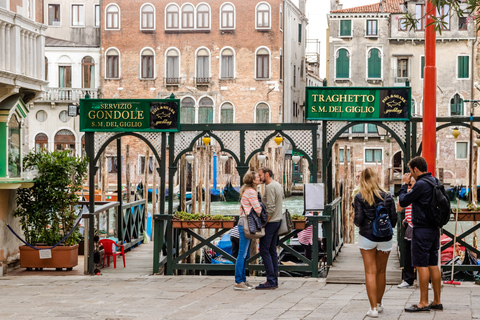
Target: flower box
(220, 224)
(187, 224)
(299, 224)
(62, 257)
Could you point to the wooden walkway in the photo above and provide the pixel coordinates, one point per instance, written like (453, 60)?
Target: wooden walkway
(348, 267)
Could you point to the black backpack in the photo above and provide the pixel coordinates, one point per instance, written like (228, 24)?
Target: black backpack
(439, 211)
(381, 225)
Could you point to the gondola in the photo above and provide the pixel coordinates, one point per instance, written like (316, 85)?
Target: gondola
(231, 193)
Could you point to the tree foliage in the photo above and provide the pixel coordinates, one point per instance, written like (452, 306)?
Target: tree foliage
(47, 210)
(462, 8)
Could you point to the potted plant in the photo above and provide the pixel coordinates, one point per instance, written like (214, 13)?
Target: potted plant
(298, 221)
(219, 221)
(48, 211)
(184, 220)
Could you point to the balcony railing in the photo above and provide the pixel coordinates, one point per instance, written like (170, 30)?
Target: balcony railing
(400, 81)
(68, 94)
(169, 81)
(203, 80)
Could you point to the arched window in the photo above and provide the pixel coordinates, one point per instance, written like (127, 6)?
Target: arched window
(263, 16)
(88, 72)
(263, 64)
(205, 110)
(172, 17)
(148, 58)
(203, 16)
(147, 17)
(188, 110)
(172, 67)
(262, 113)
(342, 64)
(456, 105)
(227, 16)
(203, 66)
(112, 17)
(14, 151)
(113, 64)
(187, 16)
(374, 64)
(65, 140)
(226, 115)
(228, 64)
(41, 142)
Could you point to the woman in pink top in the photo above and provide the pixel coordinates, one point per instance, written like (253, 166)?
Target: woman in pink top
(249, 200)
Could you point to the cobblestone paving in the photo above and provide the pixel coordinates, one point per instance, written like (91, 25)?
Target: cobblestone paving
(128, 296)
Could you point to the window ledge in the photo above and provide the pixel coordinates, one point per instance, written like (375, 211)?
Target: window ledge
(340, 80)
(372, 36)
(346, 37)
(264, 30)
(176, 31)
(262, 79)
(147, 30)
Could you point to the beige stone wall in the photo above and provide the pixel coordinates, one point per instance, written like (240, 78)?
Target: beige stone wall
(8, 242)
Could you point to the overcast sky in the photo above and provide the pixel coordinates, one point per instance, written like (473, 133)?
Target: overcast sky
(317, 11)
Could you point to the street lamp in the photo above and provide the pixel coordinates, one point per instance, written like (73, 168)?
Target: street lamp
(261, 157)
(455, 132)
(473, 104)
(189, 157)
(296, 158)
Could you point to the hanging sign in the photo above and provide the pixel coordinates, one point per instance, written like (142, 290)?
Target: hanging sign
(353, 104)
(133, 115)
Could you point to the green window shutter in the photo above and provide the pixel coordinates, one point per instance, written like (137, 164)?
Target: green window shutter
(358, 128)
(343, 64)
(299, 33)
(341, 156)
(371, 128)
(463, 62)
(368, 155)
(374, 64)
(422, 66)
(345, 28)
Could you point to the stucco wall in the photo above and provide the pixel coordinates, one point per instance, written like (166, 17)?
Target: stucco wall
(8, 242)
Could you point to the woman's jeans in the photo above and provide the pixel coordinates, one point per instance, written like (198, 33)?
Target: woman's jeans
(243, 255)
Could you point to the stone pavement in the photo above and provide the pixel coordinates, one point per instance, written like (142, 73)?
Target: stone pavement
(128, 296)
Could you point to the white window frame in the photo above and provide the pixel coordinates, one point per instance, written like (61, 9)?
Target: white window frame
(209, 63)
(96, 23)
(119, 63)
(269, 111)
(197, 107)
(469, 69)
(269, 64)
(370, 148)
(281, 18)
(234, 63)
(450, 106)
(154, 17)
(269, 17)
(179, 17)
(209, 16)
(141, 66)
(119, 17)
(366, 29)
(80, 5)
(366, 63)
(349, 64)
(468, 148)
(234, 17)
(59, 22)
(220, 111)
(166, 61)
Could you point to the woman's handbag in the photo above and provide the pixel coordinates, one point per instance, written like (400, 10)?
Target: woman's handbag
(286, 224)
(250, 224)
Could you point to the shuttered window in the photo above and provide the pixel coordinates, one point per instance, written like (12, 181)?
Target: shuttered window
(463, 63)
(345, 28)
(374, 64)
(343, 64)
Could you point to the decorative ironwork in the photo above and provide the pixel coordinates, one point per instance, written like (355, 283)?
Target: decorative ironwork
(399, 128)
(230, 140)
(203, 80)
(302, 139)
(155, 139)
(254, 140)
(101, 138)
(172, 81)
(333, 127)
(183, 139)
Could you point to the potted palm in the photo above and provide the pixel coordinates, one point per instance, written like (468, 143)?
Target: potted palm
(48, 212)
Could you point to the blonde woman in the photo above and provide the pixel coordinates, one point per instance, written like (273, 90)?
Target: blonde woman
(249, 200)
(374, 250)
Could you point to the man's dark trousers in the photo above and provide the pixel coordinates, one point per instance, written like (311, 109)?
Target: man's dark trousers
(408, 272)
(268, 251)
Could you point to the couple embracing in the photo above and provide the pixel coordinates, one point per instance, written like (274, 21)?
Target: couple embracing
(272, 199)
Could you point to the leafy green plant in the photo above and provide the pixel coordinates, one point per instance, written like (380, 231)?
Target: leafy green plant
(47, 210)
(219, 217)
(182, 215)
(298, 217)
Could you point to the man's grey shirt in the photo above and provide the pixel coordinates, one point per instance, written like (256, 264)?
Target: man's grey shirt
(273, 200)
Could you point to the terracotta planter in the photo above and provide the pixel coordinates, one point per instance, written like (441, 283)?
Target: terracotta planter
(183, 224)
(299, 224)
(62, 257)
(220, 224)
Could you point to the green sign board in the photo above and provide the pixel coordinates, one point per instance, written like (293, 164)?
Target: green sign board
(355, 103)
(132, 115)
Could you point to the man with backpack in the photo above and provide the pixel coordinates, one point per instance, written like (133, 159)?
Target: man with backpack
(426, 230)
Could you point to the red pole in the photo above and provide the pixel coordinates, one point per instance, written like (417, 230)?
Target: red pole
(429, 134)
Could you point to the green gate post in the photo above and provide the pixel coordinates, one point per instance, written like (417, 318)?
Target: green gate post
(120, 226)
(92, 170)
(315, 249)
(324, 161)
(171, 172)
(329, 234)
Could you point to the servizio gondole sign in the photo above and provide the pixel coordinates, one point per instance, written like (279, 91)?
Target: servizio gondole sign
(132, 115)
(353, 104)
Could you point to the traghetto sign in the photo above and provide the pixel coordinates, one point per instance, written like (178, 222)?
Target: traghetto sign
(134, 115)
(353, 104)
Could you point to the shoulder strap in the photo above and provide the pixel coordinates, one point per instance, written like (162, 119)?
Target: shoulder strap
(429, 182)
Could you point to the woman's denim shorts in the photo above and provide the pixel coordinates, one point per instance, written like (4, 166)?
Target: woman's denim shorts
(366, 244)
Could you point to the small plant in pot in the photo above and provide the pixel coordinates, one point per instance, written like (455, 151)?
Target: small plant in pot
(298, 221)
(47, 211)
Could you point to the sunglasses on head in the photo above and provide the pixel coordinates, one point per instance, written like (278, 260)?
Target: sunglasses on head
(409, 184)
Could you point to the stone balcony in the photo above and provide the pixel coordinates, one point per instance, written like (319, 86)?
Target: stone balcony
(67, 95)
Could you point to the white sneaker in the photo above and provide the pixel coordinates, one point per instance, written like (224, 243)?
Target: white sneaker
(241, 286)
(380, 307)
(429, 286)
(404, 285)
(372, 313)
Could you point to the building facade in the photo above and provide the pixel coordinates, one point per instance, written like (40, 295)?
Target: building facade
(371, 46)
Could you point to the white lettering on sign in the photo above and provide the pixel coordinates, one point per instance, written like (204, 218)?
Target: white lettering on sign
(45, 253)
